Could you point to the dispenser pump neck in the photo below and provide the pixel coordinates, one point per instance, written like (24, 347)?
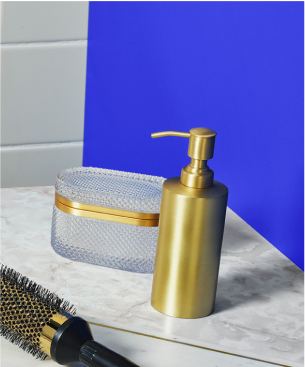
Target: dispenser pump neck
(201, 148)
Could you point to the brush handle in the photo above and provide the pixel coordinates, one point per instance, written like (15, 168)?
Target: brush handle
(73, 342)
(93, 354)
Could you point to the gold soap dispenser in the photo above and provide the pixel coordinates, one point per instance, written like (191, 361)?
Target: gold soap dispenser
(191, 224)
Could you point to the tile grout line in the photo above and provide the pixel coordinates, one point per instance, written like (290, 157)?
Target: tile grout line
(40, 145)
(190, 345)
(43, 43)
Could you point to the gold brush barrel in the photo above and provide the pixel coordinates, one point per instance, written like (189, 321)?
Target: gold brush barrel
(191, 224)
(29, 316)
(49, 330)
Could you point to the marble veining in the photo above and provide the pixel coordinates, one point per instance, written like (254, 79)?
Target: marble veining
(259, 303)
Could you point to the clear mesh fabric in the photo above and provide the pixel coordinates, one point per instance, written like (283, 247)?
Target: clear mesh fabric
(111, 189)
(114, 245)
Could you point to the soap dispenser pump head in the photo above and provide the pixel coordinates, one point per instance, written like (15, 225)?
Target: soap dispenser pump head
(201, 148)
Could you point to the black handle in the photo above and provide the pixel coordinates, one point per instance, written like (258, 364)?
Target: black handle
(73, 342)
(93, 354)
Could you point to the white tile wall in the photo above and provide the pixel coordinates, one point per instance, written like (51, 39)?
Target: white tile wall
(37, 163)
(43, 92)
(38, 21)
(43, 78)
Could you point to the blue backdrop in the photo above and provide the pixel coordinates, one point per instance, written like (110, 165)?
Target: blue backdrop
(234, 67)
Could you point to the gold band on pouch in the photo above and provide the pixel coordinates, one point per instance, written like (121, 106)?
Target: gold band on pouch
(108, 214)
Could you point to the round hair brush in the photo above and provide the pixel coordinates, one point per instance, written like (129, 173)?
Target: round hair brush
(43, 324)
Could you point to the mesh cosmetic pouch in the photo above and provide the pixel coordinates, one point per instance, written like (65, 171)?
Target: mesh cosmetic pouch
(106, 217)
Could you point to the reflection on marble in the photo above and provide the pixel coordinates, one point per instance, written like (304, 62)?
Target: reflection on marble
(259, 304)
(144, 351)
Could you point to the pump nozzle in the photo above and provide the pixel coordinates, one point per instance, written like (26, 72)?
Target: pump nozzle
(170, 133)
(201, 148)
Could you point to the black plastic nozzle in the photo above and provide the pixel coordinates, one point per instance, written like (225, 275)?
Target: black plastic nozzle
(73, 342)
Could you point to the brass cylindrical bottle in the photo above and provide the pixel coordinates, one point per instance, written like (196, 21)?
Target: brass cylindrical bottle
(191, 224)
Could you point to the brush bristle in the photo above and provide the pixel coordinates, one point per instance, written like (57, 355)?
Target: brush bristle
(37, 291)
(25, 308)
(22, 343)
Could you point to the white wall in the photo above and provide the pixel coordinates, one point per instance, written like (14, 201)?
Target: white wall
(43, 78)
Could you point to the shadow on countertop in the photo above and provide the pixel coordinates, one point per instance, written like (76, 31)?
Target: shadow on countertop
(252, 270)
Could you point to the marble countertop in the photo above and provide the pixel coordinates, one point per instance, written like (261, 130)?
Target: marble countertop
(145, 351)
(259, 303)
